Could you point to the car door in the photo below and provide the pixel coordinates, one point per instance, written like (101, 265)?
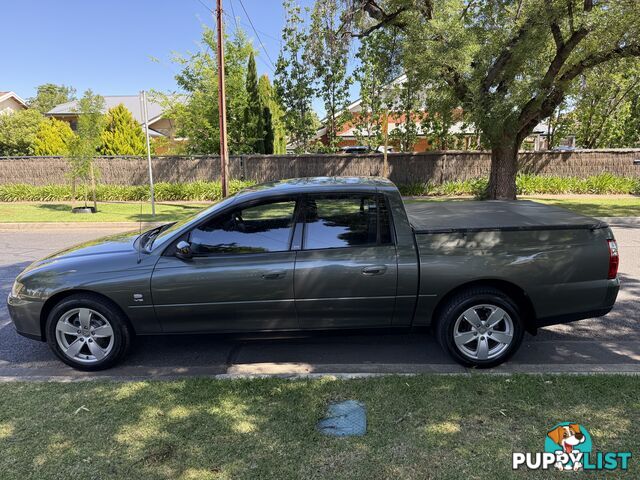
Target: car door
(346, 271)
(240, 276)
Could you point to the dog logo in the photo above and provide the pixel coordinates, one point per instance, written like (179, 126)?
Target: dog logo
(567, 446)
(570, 439)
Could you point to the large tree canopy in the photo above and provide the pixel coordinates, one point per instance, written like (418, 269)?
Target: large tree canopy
(49, 95)
(507, 63)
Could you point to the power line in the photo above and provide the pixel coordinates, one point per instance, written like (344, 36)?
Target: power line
(257, 35)
(235, 19)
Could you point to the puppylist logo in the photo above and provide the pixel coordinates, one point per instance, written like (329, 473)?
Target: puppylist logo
(568, 446)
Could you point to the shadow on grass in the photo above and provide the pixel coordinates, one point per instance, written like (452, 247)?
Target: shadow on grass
(165, 212)
(596, 209)
(419, 427)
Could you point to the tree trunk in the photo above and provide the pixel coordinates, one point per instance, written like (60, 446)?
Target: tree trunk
(504, 167)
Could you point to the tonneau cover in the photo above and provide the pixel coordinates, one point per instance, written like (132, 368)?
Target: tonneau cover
(470, 216)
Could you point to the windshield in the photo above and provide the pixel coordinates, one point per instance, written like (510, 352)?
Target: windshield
(171, 228)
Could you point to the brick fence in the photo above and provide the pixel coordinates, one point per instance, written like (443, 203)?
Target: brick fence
(405, 168)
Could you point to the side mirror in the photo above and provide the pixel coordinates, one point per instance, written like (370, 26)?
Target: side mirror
(183, 250)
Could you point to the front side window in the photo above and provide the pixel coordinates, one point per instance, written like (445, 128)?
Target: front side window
(254, 229)
(340, 221)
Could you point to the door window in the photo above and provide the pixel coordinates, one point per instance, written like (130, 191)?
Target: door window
(254, 229)
(340, 221)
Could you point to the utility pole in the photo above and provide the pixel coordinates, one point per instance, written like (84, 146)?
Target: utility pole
(222, 104)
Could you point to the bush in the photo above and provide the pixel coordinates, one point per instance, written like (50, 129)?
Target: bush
(196, 191)
(211, 191)
(602, 184)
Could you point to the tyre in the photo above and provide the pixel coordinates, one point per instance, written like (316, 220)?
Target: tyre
(480, 327)
(88, 332)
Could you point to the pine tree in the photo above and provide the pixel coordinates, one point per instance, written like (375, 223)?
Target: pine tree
(53, 138)
(268, 131)
(253, 114)
(122, 135)
(275, 131)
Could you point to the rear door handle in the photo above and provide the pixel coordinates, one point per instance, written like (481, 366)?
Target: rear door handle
(274, 274)
(374, 270)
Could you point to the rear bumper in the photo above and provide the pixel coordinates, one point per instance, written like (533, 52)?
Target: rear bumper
(25, 315)
(609, 301)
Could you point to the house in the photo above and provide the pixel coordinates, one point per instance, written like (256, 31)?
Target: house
(10, 102)
(466, 136)
(159, 125)
(348, 133)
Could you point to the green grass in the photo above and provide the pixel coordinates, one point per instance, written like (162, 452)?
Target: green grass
(597, 206)
(445, 427)
(107, 212)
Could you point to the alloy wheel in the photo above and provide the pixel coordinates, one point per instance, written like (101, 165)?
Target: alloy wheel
(483, 332)
(84, 335)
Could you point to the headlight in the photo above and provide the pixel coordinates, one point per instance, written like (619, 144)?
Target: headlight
(16, 289)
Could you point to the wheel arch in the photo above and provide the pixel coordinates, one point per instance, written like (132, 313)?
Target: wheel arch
(513, 291)
(55, 299)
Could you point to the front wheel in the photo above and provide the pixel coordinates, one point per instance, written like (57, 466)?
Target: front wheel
(87, 332)
(481, 327)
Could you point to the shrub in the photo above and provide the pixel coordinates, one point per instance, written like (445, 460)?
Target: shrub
(211, 191)
(196, 191)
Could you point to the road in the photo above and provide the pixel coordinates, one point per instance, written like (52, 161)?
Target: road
(610, 343)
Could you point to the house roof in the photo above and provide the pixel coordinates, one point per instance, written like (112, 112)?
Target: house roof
(131, 102)
(5, 95)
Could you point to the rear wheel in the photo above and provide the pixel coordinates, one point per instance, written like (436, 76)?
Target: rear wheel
(480, 327)
(88, 332)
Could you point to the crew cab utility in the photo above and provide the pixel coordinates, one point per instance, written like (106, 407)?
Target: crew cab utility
(326, 253)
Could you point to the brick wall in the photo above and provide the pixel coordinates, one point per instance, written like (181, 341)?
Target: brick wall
(436, 167)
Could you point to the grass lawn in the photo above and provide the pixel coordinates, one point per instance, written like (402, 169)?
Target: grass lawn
(107, 212)
(592, 205)
(596, 206)
(444, 427)
(599, 206)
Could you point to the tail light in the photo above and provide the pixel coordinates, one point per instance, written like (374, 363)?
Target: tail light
(614, 259)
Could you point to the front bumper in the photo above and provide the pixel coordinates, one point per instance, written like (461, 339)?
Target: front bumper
(25, 315)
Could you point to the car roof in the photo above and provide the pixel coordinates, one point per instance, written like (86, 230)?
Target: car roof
(315, 184)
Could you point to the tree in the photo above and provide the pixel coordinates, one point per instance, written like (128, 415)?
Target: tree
(374, 73)
(122, 134)
(275, 140)
(85, 144)
(328, 52)
(507, 63)
(50, 95)
(196, 113)
(53, 138)
(293, 79)
(18, 131)
(253, 113)
(605, 112)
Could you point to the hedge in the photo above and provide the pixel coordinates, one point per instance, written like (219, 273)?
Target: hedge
(602, 184)
(211, 191)
(195, 191)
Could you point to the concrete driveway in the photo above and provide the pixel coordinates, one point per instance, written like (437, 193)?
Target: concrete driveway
(609, 344)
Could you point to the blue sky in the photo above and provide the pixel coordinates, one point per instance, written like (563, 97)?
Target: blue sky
(108, 46)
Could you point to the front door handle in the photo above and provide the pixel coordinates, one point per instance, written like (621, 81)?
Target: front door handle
(374, 270)
(274, 274)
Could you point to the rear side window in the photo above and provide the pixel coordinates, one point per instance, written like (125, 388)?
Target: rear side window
(255, 229)
(340, 221)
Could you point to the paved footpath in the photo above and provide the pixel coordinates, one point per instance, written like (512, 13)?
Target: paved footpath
(607, 344)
